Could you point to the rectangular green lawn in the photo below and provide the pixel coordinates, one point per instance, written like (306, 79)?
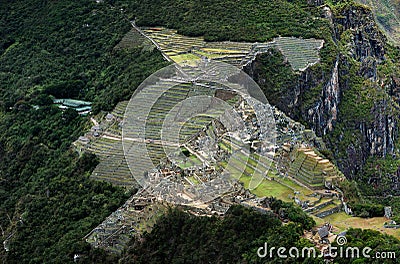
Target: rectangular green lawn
(269, 188)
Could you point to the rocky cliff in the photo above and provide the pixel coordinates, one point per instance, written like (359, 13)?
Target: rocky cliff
(350, 99)
(362, 53)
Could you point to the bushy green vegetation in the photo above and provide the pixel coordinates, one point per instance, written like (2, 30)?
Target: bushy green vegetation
(367, 202)
(48, 202)
(125, 71)
(55, 44)
(387, 15)
(377, 172)
(66, 49)
(272, 68)
(292, 213)
(392, 201)
(63, 49)
(230, 20)
(367, 210)
(182, 238)
(378, 242)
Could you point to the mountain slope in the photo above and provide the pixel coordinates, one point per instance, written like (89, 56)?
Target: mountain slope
(53, 48)
(66, 48)
(350, 98)
(387, 13)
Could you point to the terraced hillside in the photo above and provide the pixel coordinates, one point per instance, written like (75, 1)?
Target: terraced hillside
(311, 169)
(136, 216)
(133, 39)
(172, 91)
(112, 167)
(105, 140)
(301, 53)
(181, 48)
(308, 174)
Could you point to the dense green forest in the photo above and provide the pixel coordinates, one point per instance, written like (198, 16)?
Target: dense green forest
(229, 20)
(372, 239)
(183, 238)
(66, 49)
(63, 49)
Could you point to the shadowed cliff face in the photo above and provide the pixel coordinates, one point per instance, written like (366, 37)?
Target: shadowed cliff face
(387, 14)
(347, 102)
(376, 131)
(367, 40)
(325, 112)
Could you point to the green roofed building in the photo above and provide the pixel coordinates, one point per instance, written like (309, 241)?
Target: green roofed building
(82, 107)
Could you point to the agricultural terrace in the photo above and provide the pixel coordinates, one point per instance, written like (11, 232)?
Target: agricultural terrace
(104, 140)
(134, 39)
(301, 53)
(301, 181)
(138, 215)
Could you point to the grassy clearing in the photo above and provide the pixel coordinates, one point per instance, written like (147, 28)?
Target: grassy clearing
(273, 188)
(235, 173)
(296, 186)
(225, 146)
(184, 58)
(303, 191)
(194, 159)
(343, 222)
(190, 162)
(263, 159)
(269, 188)
(186, 165)
(242, 166)
(193, 180)
(249, 159)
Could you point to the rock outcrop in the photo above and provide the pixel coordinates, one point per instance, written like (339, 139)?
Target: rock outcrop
(315, 97)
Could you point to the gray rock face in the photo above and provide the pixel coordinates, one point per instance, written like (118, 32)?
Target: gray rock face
(367, 47)
(367, 40)
(325, 112)
(315, 97)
